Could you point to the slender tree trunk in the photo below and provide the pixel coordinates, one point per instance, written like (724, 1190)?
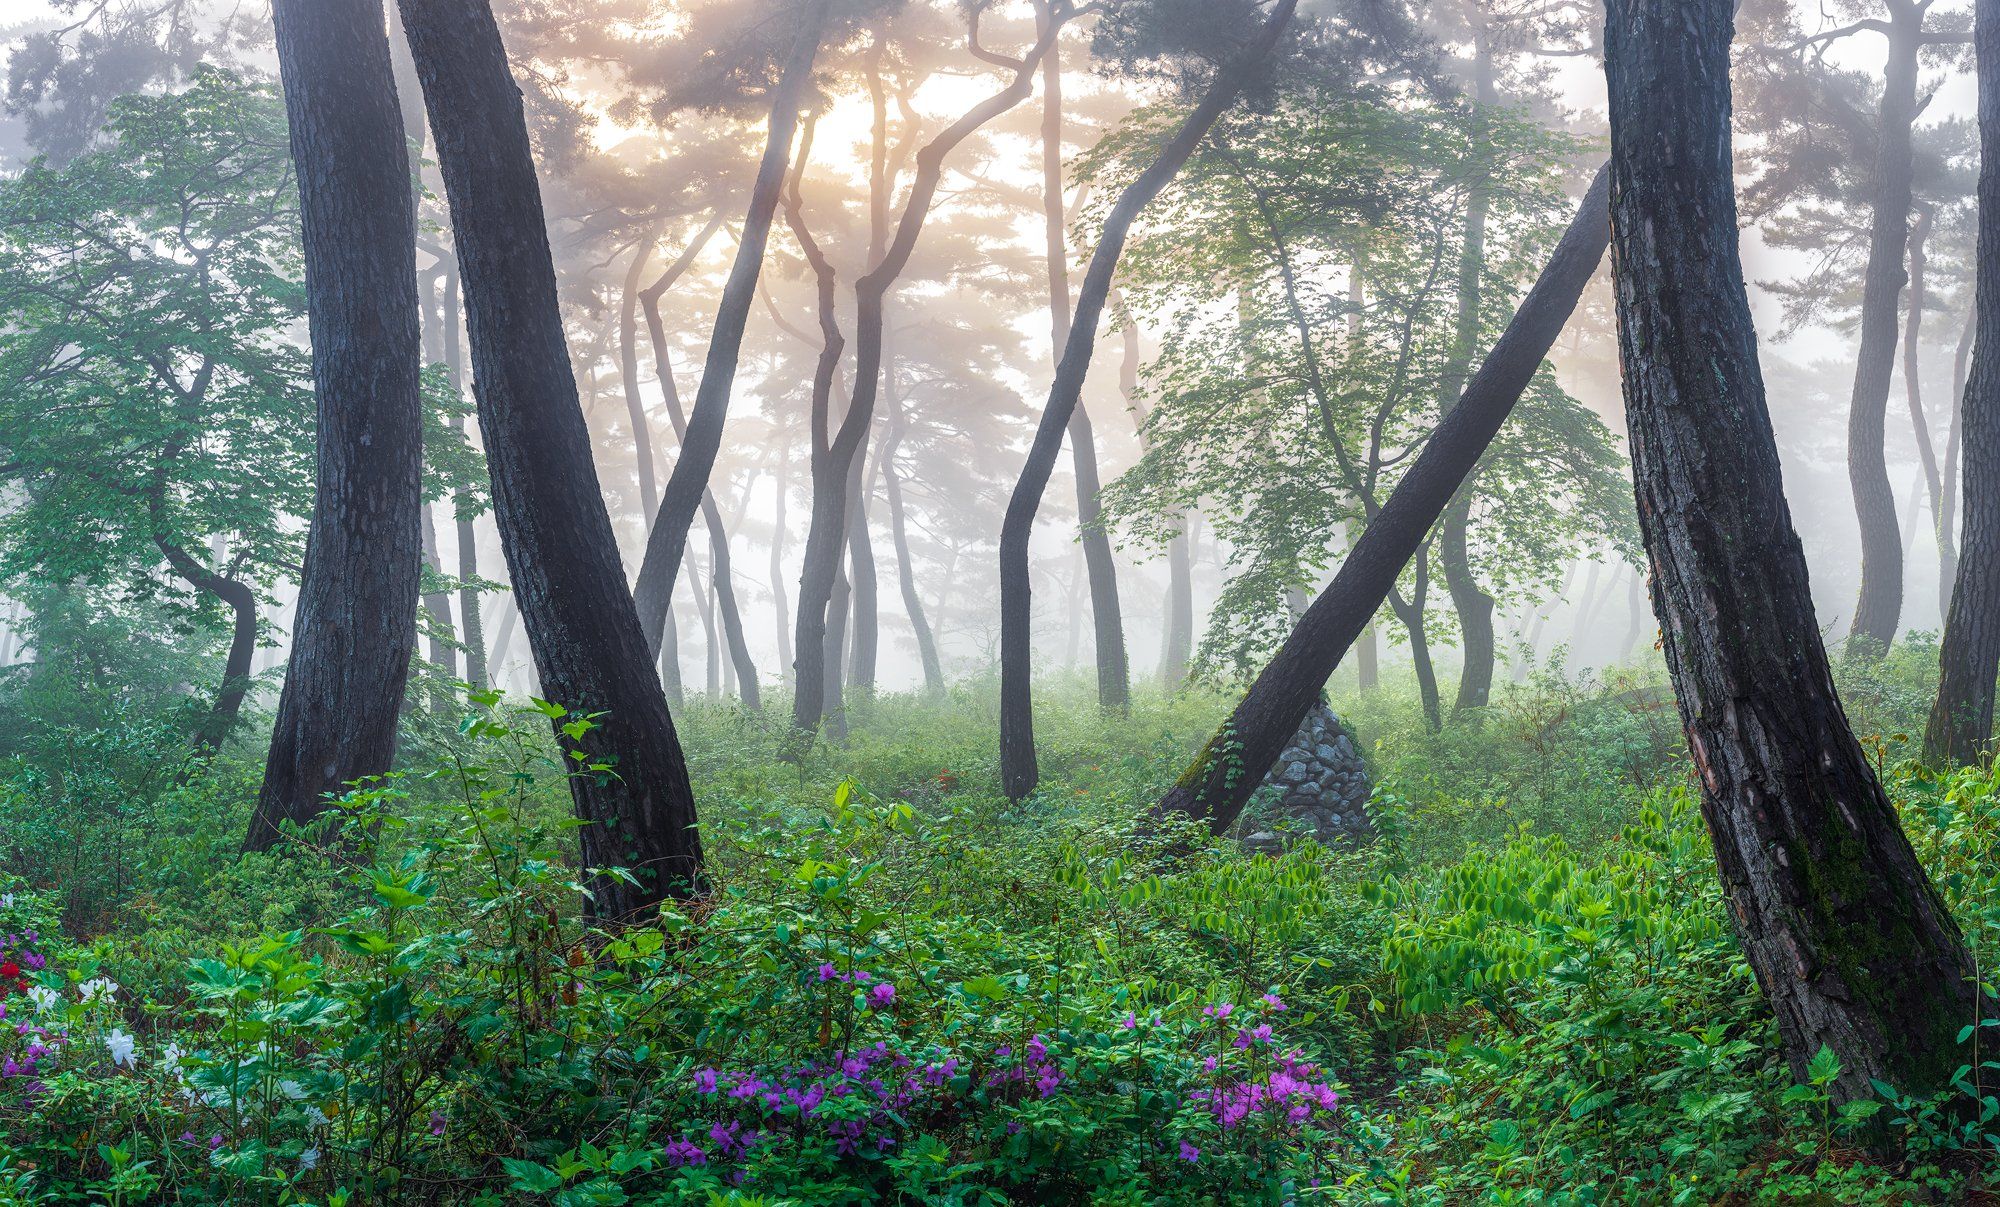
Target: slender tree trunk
(1114, 675)
(704, 600)
(906, 580)
(590, 654)
(1018, 770)
(628, 371)
(1947, 516)
(783, 487)
(1229, 767)
(1850, 942)
(1177, 628)
(1468, 598)
(687, 487)
(1961, 720)
(355, 624)
(1583, 609)
(473, 634)
(242, 602)
(1879, 607)
(827, 536)
(1635, 607)
(1411, 613)
(1913, 328)
(863, 624)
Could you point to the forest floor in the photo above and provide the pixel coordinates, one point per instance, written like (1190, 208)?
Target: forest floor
(904, 988)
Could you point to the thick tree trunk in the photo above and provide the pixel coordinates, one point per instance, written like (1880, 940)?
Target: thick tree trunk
(589, 652)
(827, 535)
(687, 486)
(1878, 609)
(1961, 720)
(1219, 782)
(1850, 942)
(355, 624)
(1018, 770)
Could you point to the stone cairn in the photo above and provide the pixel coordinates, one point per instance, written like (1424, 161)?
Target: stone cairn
(1319, 788)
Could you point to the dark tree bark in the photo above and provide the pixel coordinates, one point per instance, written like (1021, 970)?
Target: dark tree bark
(355, 626)
(437, 606)
(1018, 770)
(1878, 610)
(1114, 672)
(1218, 784)
(687, 486)
(242, 603)
(589, 652)
(1850, 942)
(833, 459)
(1961, 720)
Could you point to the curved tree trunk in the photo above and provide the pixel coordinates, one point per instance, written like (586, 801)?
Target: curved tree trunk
(222, 714)
(1229, 767)
(1961, 720)
(355, 625)
(834, 458)
(687, 486)
(590, 654)
(1878, 610)
(1018, 770)
(1852, 945)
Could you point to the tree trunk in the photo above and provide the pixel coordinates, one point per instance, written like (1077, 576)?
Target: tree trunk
(1583, 610)
(472, 634)
(355, 625)
(1947, 516)
(863, 623)
(1961, 720)
(827, 534)
(687, 486)
(437, 606)
(590, 654)
(1878, 609)
(1018, 770)
(1177, 627)
(222, 714)
(1635, 607)
(783, 487)
(1849, 940)
(1222, 777)
(1913, 327)
(1411, 613)
(906, 579)
(628, 371)
(1470, 600)
(1114, 675)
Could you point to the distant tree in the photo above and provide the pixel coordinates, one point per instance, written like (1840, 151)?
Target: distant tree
(355, 626)
(1961, 720)
(1850, 942)
(632, 785)
(155, 417)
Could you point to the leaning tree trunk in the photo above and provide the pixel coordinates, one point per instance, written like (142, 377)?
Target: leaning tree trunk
(1878, 609)
(687, 486)
(1018, 770)
(589, 652)
(355, 626)
(242, 602)
(1114, 673)
(1852, 945)
(1219, 783)
(833, 458)
(1961, 721)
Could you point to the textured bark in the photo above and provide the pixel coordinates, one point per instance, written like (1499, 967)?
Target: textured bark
(833, 459)
(1878, 610)
(1114, 672)
(355, 625)
(589, 652)
(1961, 720)
(1219, 782)
(687, 486)
(1018, 770)
(1411, 612)
(1852, 945)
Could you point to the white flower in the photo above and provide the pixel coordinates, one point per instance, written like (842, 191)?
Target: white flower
(170, 1057)
(316, 1117)
(98, 987)
(122, 1048)
(45, 998)
(292, 1090)
(308, 1160)
(6, 901)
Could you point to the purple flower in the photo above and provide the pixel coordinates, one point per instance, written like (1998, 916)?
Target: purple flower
(437, 1123)
(827, 972)
(882, 995)
(683, 1152)
(1189, 1152)
(705, 1081)
(1131, 1020)
(1274, 1002)
(1221, 1010)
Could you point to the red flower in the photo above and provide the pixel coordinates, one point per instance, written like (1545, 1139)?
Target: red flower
(9, 970)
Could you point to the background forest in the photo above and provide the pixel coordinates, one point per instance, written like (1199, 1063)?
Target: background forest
(796, 601)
